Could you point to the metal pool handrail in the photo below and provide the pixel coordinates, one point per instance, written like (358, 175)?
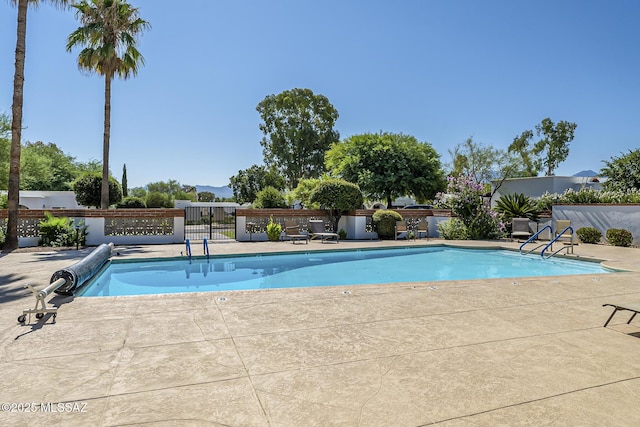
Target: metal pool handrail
(206, 247)
(550, 245)
(532, 238)
(188, 243)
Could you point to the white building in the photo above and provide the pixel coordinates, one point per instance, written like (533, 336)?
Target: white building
(48, 200)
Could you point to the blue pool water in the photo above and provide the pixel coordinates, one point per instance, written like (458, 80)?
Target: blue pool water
(323, 268)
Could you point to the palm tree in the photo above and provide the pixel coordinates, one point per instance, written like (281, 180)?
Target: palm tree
(109, 31)
(13, 195)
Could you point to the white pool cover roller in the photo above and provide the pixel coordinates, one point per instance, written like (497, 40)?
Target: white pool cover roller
(75, 275)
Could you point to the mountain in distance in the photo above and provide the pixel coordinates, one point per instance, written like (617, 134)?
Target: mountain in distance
(222, 192)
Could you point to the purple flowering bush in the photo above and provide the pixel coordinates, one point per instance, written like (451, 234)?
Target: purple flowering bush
(464, 198)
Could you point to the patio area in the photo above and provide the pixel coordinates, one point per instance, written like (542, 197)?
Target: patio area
(526, 351)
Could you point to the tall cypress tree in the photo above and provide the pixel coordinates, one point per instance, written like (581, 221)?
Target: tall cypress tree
(125, 191)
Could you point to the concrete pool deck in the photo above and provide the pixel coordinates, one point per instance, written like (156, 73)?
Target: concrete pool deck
(526, 351)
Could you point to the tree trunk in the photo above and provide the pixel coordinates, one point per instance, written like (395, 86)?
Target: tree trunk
(104, 196)
(13, 202)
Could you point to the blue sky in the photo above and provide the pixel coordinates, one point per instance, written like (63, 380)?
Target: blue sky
(441, 71)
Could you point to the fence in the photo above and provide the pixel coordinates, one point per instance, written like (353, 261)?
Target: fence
(210, 222)
(358, 224)
(120, 226)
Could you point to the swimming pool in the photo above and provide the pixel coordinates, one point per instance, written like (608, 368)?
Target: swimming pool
(323, 268)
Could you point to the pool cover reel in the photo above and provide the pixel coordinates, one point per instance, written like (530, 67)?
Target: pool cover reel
(75, 275)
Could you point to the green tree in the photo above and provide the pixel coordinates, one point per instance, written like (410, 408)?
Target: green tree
(548, 152)
(304, 190)
(484, 163)
(298, 130)
(337, 196)
(13, 185)
(109, 31)
(248, 182)
(169, 187)
(623, 173)
(388, 165)
(87, 189)
(159, 200)
(270, 197)
(5, 145)
(91, 166)
(206, 196)
(125, 190)
(138, 192)
(46, 167)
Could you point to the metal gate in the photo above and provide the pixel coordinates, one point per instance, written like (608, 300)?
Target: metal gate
(210, 222)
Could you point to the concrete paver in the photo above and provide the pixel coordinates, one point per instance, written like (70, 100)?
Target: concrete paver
(526, 351)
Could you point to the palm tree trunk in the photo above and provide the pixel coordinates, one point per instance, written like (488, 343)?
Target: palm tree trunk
(104, 199)
(13, 201)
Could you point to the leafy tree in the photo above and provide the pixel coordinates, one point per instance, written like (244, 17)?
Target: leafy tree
(87, 189)
(206, 196)
(484, 163)
(171, 187)
(623, 173)
(125, 190)
(92, 166)
(108, 32)
(551, 150)
(5, 145)
(304, 190)
(270, 197)
(159, 200)
(13, 186)
(139, 192)
(337, 196)
(298, 129)
(388, 165)
(46, 167)
(248, 182)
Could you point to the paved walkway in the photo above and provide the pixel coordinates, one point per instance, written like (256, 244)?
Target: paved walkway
(530, 351)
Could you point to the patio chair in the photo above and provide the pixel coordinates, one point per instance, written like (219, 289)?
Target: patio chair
(401, 227)
(292, 232)
(317, 230)
(635, 309)
(423, 227)
(561, 226)
(520, 228)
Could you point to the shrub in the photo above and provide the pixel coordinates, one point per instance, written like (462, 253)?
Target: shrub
(589, 235)
(517, 206)
(385, 223)
(2, 236)
(270, 197)
(3, 201)
(465, 197)
(273, 230)
(619, 237)
(159, 200)
(131, 202)
(60, 231)
(342, 234)
(452, 229)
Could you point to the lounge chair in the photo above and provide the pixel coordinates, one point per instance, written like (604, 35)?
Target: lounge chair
(520, 228)
(561, 226)
(564, 235)
(401, 227)
(317, 230)
(635, 309)
(423, 227)
(292, 232)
